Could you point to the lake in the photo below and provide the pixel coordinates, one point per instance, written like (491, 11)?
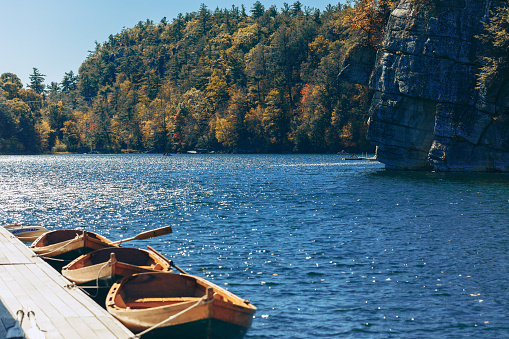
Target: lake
(321, 246)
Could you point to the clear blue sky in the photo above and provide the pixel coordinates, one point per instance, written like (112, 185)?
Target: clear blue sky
(56, 35)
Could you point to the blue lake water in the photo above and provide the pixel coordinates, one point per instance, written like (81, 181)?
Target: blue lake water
(322, 247)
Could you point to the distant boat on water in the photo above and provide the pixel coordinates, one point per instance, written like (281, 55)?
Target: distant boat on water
(362, 157)
(199, 151)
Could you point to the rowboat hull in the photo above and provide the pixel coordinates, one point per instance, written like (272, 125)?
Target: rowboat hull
(101, 265)
(62, 246)
(26, 233)
(144, 300)
(201, 329)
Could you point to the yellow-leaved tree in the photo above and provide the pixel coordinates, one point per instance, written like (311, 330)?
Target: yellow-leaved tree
(369, 17)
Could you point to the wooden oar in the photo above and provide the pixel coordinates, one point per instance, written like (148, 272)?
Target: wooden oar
(166, 259)
(146, 235)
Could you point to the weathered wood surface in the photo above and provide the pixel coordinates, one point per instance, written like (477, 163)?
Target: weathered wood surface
(27, 282)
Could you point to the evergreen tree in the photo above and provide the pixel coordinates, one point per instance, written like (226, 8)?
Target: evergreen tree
(53, 88)
(37, 81)
(69, 82)
(257, 10)
(217, 80)
(296, 8)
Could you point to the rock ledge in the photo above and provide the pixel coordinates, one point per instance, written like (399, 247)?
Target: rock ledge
(426, 113)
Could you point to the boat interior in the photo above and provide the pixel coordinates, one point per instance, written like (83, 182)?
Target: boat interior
(127, 255)
(55, 237)
(153, 290)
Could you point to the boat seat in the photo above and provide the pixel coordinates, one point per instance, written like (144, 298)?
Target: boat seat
(155, 302)
(172, 299)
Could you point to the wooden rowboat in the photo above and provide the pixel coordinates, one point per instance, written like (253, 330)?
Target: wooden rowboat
(109, 264)
(62, 246)
(26, 233)
(180, 305)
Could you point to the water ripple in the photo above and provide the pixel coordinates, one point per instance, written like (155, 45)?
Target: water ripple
(323, 247)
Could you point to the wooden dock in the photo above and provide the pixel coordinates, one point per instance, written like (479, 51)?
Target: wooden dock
(362, 158)
(29, 283)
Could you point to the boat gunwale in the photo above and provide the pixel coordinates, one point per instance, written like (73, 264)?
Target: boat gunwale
(74, 274)
(228, 300)
(230, 297)
(80, 240)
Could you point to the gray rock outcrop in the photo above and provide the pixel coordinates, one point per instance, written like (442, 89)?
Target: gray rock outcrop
(427, 112)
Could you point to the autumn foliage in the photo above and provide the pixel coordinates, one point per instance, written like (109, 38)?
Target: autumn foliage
(228, 80)
(369, 17)
(495, 64)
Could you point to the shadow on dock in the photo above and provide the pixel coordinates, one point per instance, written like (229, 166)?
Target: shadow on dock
(6, 320)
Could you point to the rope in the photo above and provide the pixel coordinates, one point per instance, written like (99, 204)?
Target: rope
(49, 258)
(90, 287)
(96, 287)
(71, 285)
(108, 263)
(203, 300)
(67, 243)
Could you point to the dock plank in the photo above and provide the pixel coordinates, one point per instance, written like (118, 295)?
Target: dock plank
(27, 282)
(12, 251)
(98, 327)
(27, 298)
(81, 325)
(40, 293)
(11, 254)
(7, 297)
(64, 329)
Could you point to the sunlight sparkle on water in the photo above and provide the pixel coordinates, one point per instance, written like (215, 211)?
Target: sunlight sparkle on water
(325, 247)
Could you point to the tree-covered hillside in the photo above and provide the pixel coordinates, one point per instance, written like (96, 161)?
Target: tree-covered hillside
(244, 80)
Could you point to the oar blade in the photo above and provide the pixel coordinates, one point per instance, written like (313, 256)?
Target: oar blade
(154, 233)
(146, 235)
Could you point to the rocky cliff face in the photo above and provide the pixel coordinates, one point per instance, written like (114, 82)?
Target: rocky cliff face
(426, 112)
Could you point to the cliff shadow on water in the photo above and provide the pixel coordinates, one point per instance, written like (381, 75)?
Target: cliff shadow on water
(433, 177)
